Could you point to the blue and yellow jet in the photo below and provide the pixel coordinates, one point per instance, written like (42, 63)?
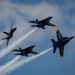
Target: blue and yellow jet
(62, 41)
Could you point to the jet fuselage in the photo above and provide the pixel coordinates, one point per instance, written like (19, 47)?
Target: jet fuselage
(10, 35)
(44, 22)
(62, 41)
(25, 52)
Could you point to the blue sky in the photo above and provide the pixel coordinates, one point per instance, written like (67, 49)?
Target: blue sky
(20, 12)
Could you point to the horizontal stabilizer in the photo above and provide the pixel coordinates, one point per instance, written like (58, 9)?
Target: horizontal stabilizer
(6, 33)
(53, 40)
(17, 54)
(3, 38)
(32, 21)
(34, 26)
(17, 50)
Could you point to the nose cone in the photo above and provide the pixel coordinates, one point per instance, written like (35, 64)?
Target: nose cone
(15, 28)
(33, 46)
(71, 37)
(50, 17)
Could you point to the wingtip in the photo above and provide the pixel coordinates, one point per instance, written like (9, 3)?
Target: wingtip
(2, 39)
(57, 30)
(54, 25)
(61, 56)
(12, 50)
(37, 53)
(31, 26)
(29, 21)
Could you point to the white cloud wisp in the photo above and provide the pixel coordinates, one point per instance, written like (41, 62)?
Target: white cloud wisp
(4, 67)
(1, 42)
(3, 52)
(16, 65)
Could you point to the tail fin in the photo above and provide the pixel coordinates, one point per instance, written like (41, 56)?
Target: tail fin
(36, 20)
(53, 41)
(20, 48)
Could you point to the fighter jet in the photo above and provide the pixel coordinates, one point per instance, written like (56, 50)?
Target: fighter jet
(62, 41)
(42, 23)
(9, 34)
(26, 51)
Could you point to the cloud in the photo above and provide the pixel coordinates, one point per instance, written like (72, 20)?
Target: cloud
(13, 65)
(20, 14)
(30, 12)
(3, 52)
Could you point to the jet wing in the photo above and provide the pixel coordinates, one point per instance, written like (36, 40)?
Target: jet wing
(33, 52)
(17, 50)
(50, 24)
(32, 21)
(7, 43)
(61, 50)
(59, 36)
